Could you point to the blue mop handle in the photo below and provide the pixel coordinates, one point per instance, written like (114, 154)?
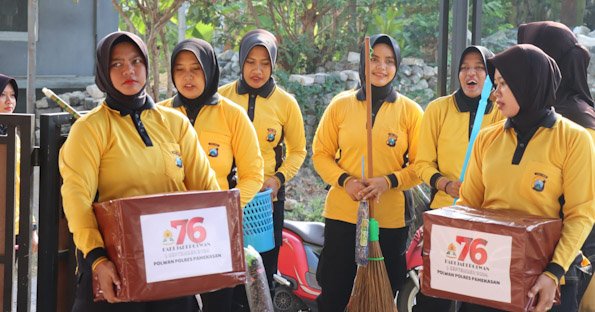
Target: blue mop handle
(483, 102)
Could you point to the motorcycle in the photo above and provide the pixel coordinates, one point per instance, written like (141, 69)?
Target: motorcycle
(297, 287)
(406, 297)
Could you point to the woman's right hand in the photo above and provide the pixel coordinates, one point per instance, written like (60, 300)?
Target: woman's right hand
(108, 277)
(353, 188)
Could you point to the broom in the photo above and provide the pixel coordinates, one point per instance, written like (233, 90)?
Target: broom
(371, 291)
(50, 94)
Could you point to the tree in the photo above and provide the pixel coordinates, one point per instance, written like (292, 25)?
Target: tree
(572, 12)
(148, 18)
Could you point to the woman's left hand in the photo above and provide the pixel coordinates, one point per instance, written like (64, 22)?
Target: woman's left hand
(545, 288)
(374, 188)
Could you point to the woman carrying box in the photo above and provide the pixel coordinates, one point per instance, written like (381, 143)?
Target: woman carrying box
(223, 129)
(127, 146)
(536, 161)
(573, 101)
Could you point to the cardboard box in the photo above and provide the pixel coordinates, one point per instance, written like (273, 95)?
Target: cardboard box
(486, 257)
(172, 245)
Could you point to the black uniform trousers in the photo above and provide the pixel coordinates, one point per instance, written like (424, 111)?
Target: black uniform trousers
(83, 301)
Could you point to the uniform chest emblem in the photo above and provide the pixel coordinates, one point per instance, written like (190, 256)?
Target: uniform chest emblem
(271, 134)
(178, 160)
(213, 149)
(539, 180)
(391, 140)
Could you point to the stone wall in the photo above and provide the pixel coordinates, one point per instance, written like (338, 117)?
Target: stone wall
(416, 79)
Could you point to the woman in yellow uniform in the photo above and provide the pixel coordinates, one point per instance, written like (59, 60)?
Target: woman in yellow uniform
(536, 161)
(8, 102)
(446, 128)
(396, 122)
(127, 146)
(573, 101)
(278, 122)
(445, 131)
(224, 131)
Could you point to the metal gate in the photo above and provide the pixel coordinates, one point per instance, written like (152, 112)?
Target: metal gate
(16, 159)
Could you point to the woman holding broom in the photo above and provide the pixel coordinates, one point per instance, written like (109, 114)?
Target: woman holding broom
(537, 160)
(395, 125)
(223, 129)
(127, 146)
(278, 122)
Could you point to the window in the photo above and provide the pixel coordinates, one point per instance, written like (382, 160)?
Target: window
(13, 20)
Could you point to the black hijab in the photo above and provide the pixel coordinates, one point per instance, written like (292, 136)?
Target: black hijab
(533, 78)
(573, 99)
(125, 104)
(205, 55)
(465, 103)
(386, 92)
(5, 80)
(131, 105)
(257, 37)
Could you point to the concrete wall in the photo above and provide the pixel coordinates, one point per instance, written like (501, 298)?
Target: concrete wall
(67, 37)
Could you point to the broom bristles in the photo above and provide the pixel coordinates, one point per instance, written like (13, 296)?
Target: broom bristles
(372, 291)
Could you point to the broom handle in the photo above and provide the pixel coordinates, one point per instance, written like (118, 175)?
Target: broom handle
(367, 56)
(49, 93)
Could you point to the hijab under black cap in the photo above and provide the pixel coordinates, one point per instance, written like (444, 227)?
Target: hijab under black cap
(464, 102)
(258, 37)
(533, 78)
(115, 99)
(5, 80)
(573, 99)
(387, 92)
(205, 55)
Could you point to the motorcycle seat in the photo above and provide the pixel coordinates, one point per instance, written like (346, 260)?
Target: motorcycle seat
(310, 232)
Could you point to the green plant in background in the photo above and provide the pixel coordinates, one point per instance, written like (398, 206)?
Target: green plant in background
(310, 210)
(494, 17)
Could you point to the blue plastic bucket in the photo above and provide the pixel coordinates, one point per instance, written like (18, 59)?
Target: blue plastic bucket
(258, 222)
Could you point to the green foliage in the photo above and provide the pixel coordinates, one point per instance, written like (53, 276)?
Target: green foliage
(494, 17)
(310, 210)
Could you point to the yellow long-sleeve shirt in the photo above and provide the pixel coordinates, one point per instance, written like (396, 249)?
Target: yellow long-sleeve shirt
(557, 161)
(444, 134)
(277, 116)
(104, 154)
(394, 136)
(226, 134)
